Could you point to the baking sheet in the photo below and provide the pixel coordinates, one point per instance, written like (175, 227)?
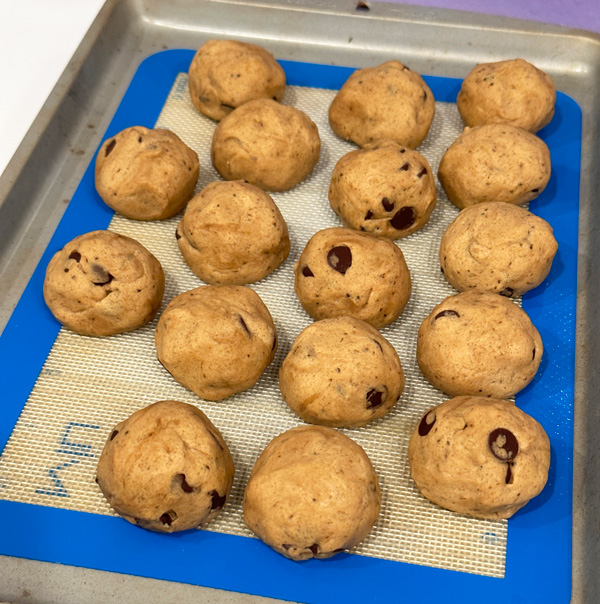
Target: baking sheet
(542, 301)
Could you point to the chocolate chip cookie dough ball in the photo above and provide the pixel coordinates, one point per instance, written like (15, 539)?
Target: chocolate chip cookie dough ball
(385, 102)
(341, 373)
(479, 456)
(216, 340)
(514, 92)
(268, 144)
(313, 493)
(495, 162)
(166, 468)
(102, 283)
(497, 247)
(479, 344)
(342, 272)
(146, 174)
(384, 188)
(225, 74)
(232, 233)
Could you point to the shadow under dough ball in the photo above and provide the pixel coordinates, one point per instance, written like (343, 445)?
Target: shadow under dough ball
(479, 456)
(166, 468)
(270, 145)
(216, 340)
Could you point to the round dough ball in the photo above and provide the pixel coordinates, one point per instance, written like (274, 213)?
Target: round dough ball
(385, 102)
(102, 283)
(480, 344)
(342, 272)
(313, 492)
(232, 233)
(479, 456)
(514, 92)
(146, 174)
(495, 162)
(216, 340)
(384, 188)
(225, 74)
(268, 144)
(341, 373)
(497, 247)
(166, 468)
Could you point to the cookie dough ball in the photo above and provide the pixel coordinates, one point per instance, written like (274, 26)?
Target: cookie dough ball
(480, 344)
(497, 247)
(225, 74)
(342, 272)
(514, 92)
(313, 493)
(232, 233)
(385, 188)
(268, 144)
(102, 283)
(496, 162)
(216, 340)
(146, 174)
(166, 468)
(385, 102)
(479, 456)
(341, 373)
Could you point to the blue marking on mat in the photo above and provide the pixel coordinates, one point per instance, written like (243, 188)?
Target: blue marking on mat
(538, 557)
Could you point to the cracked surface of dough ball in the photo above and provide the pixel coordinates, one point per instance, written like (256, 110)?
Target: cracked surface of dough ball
(495, 162)
(497, 247)
(514, 92)
(312, 493)
(384, 188)
(342, 272)
(216, 340)
(341, 373)
(270, 145)
(480, 344)
(225, 74)
(479, 456)
(388, 101)
(166, 468)
(146, 174)
(233, 233)
(102, 283)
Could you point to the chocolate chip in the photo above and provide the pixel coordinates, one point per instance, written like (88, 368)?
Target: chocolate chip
(446, 313)
(404, 218)
(508, 478)
(286, 546)
(177, 235)
(217, 500)
(307, 272)
(75, 256)
(507, 291)
(139, 139)
(375, 398)
(404, 167)
(340, 258)
(426, 424)
(168, 517)
(503, 444)
(187, 488)
(101, 275)
(424, 95)
(535, 190)
(274, 345)
(362, 7)
(314, 548)
(112, 436)
(533, 355)
(368, 215)
(388, 205)
(244, 325)
(422, 172)
(110, 147)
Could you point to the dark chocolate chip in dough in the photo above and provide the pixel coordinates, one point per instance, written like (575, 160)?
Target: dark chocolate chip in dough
(75, 256)
(168, 517)
(112, 436)
(340, 258)
(368, 215)
(187, 488)
(507, 291)
(388, 205)
(446, 313)
(307, 272)
(244, 325)
(375, 398)
(110, 147)
(404, 218)
(503, 444)
(426, 423)
(218, 501)
(314, 548)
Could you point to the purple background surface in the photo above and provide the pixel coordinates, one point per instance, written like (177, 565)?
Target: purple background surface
(581, 14)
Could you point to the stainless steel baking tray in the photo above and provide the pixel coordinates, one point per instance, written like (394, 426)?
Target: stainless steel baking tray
(41, 178)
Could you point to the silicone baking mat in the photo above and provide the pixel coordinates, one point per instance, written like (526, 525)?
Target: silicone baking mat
(87, 385)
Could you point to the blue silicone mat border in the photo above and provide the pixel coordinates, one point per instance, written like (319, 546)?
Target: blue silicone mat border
(538, 563)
